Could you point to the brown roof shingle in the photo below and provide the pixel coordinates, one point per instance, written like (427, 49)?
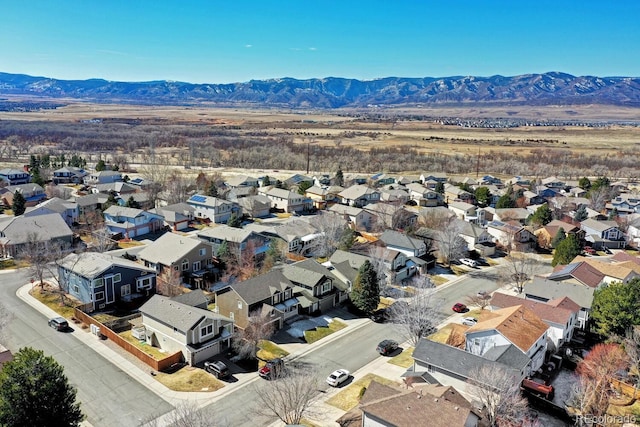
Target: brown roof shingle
(547, 312)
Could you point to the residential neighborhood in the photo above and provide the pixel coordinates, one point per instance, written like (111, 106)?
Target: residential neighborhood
(240, 273)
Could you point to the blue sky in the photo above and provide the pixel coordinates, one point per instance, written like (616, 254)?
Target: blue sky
(236, 41)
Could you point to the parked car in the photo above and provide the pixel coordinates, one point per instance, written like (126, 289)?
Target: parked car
(337, 377)
(483, 294)
(217, 368)
(387, 347)
(607, 250)
(469, 321)
(59, 323)
(589, 250)
(468, 262)
(379, 316)
(272, 369)
(459, 307)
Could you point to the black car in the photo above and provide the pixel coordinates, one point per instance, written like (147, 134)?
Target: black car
(387, 347)
(379, 316)
(217, 368)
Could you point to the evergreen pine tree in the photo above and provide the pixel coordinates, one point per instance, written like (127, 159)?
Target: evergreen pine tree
(19, 203)
(365, 294)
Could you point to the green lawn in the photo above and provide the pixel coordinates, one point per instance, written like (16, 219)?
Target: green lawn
(321, 332)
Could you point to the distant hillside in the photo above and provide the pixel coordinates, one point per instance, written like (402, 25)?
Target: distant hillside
(531, 89)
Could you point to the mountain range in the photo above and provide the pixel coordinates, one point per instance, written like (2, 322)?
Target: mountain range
(552, 88)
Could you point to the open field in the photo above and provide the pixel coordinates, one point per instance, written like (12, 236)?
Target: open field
(400, 140)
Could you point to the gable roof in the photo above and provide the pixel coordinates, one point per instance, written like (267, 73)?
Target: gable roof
(460, 362)
(17, 230)
(169, 248)
(401, 240)
(543, 288)
(92, 264)
(581, 271)
(356, 191)
(521, 326)
(193, 299)
(617, 270)
(261, 287)
(123, 211)
(226, 233)
(406, 408)
(176, 314)
(558, 312)
(599, 226)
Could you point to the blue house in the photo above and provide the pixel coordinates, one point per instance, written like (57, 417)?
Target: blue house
(102, 281)
(14, 176)
(131, 222)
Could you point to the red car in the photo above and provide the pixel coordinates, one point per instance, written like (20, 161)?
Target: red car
(459, 307)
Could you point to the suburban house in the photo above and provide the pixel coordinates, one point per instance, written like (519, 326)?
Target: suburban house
(255, 206)
(561, 316)
(517, 326)
(286, 200)
(546, 234)
(548, 291)
(299, 235)
(239, 193)
(394, 194)
(603, 234)
(131, 222)
(384, 405)
(119, 188)
(176, 216)
(241, 181)
(358, 195)
(400, 242)
(317, 289)
(17, 232)
(102, 177)
(452, 366)
(611, 272)
(453, 193)
(434, 177)
(236, 240)
(511, 214)
(191, 257)
(297, 179)
(399, 265)
(69, 211)
(624, 204)
(32, 193)
(381, 179)
(14, 176)
(468, 212)
(320, 196)
(69, 175)
(510, 235)
(477, 238)
(270, 294)
(392, 215)
(90, 205)
(102, 281)
(212, 208)
(359, 218)
(174, 326)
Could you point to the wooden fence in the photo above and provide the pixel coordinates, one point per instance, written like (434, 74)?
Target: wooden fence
(158, 365)
(625, 388)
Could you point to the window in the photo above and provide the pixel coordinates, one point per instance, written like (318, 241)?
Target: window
(99, 296)
(430, 369)
(326, 287)
(97, 283)
(125, 290)
(206, 330)
(239, 305)
(232, 315)
(203, 251)
(276, 297)
(76, 289)
(287, 294)
(185, 265)
(196, 265)
(144, 283)
(117, 278)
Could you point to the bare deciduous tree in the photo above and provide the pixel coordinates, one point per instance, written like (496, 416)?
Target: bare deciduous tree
(449, 242)
(169, 282)
(36, 253)
(416, 318)
(519, 268)
(101, 240)
(187, 414)
(498, 390)
(260, 327)
(599, 198)
(289, 397)
(331, 227)
(177, 188)
(479, 299)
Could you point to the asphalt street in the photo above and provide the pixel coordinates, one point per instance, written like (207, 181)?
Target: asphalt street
(108, 396)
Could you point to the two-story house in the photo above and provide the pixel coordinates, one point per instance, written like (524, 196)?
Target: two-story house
(517, 326)
(603, 234)
(102, 177)
(511, 234)
(14, 176)
(477, 238)
(236, 240)
(286, 200)
(212, 208)
(358, 195)
(176, 216)
(359, 218)
(174, 326)
(468, 212)
(102, 281)
(32, 193)
(48, 229)
(241, 181)
(255, 206)
(453, 193)
(190, 256)
(400, 242)
(69, 175)
(69, 211)
(131, 222)
(561, 316)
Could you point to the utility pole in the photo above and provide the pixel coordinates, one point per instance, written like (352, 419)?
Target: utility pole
(478, 163)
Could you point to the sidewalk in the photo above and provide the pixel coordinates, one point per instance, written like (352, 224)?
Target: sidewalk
(200, 399)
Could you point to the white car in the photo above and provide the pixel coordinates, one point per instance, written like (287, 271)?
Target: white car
(337, 377)
(469, 321)
(469, 262)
